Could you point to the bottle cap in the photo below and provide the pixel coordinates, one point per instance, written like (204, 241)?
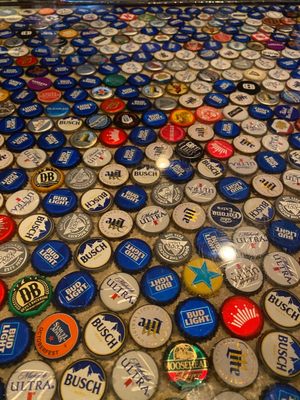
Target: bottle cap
(267, 185)
(145, 175)
(282, 308)
(189, 216)
(173, 248)
(74, 227)
(210, 168)
(3, 293)
(126, 376)
(47, 179)
(160, 285)
(167, 195)
(115, 224)
(258, 210)
(196, 319)
(97, 157)
(250, 241)
(60, 202)
(202, 277)
(281, 269)
(131, 198)
(83, 379)
(150, 326)
(113, 175)
(96, 201)
(186, 365)
(152, 219)
(65, 158)
(81, 179)
(270, 162)
(7, 228)
(32, 377)
(235, 363)
(233, 189)
(278, 352)
(104, 334)
(49, 141)
(35, 228)
(12, 179)
(285, 235)
(119, 292)
(133, 255)
(29, 296)
(225, 215)
(16, 340)
(57, 336)
(129, 156)
(242, 317)
(288, 207)
(276, 391)
(243, 276)
(214, 244)
(179, 171)
(93, 254)
(22, 203)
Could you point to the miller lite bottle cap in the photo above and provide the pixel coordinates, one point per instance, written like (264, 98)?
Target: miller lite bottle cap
(150, 326)
(104, 334)
(29, 296)
(119, 292)
(83, 379)
(32, 377)
(235, 363)
(135, 374)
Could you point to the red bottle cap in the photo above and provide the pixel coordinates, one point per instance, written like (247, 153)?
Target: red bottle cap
(50, 95)
(112, 105)
(208, 115)
(193, 45)
(220, 149)
(242, 317)
(113, 137)
(7, 228)
(26, 61)
(171, 133)
(3, 293)
(222, 37)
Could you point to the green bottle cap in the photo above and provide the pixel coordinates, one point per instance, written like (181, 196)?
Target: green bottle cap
(29, 296)
(186, 365)
(114, 80)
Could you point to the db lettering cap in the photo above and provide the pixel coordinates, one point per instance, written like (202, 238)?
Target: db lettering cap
(83, 379)
(16, 339)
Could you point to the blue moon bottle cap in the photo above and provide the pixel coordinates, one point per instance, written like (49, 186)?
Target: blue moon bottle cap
(133, 255)
(131, 198)
(160, 285)
(60, 202)
(280, 391)
(51, 257)
(83, 379)
(16, 339)
(196, 319)
(75, 291)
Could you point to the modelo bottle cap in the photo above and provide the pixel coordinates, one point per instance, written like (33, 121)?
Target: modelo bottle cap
(35, 228)
(200, 191)
(277, 390)
(13, 258)
(282, 307)
(167, 194)
(281, 269)
(225, 215)
(47, 179)
(16, 339)
(279, 353)
(196, 319)
(235, 363)
(250, 241)
(202, 277)
(60, 202)
(93, 254)
(212, 243)
(104, 334)
(288, 207)
(96, 201)
(242, 317)
(258, 210)
(22, 203)
(152, 220)
(32, 377)
(29, 296)
(133, 255)
(160, 285)
(243, 276)
(285, 235)
(119, 292)
(186, 365)
(83, 379)
(173, 248)
(150, 326)
(57, 336)
(74, 227)
(131, 198)
(75, 291)
(135, 374)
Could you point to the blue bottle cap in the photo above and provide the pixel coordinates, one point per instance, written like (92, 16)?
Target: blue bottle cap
(109, 69)
(57, 109)
(89, 82)
(131, 198)
(13, 84)
(227, 129)
(11, 124)
(60, 202)
(225, 215)
(20, 141)
(127, 92)
(65, 158)
(120, 58)
(75, 291)
(270, 162)
(74, 60)
(142, 56)
(179, 171)
(129, 156)
(65, 83)
(224, 86)
(11, 72)
(50, 61)
(53, 140)
(142, 136)
(281, 391)
(285, 235)
(210, 241)
(61, 70)
(160, 285)
(139, 104)
(12, 179)
(133, 255)
(286, 112)
(75, 94)
(30, 110)
(216, 100)
(208, 54)
(5, 61)
(233, 189)
(84, 108)
(23, 96)
(287, 63)
(51, 257)
(260, 111)
(139, 79)
(196, 319)
(16, 339)
(290, 96)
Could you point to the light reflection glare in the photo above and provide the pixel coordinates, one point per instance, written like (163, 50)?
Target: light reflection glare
(227, 253)
(162, 162)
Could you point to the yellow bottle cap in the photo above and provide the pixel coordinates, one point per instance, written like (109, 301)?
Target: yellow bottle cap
(4, 95)
(177, 88)
(255, 74)
(68, 33)
(47, 179)
(182, 117)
